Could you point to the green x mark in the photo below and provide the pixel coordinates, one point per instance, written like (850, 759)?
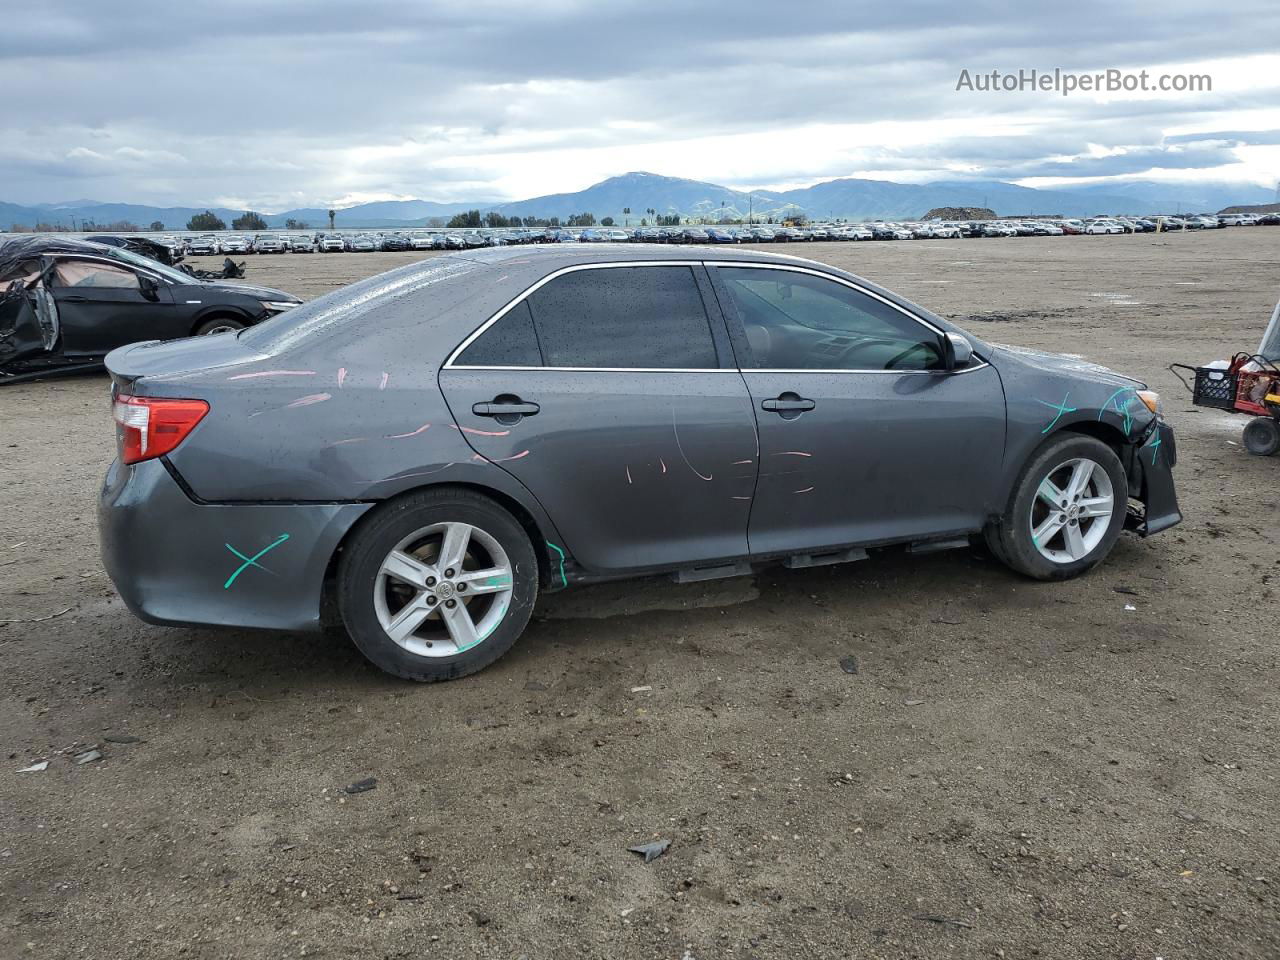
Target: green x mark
(251, 561)
(1060, 407)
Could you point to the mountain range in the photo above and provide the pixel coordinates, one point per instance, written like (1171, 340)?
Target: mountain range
(848, 198)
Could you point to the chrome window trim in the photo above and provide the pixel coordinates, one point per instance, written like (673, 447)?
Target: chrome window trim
(450, 363)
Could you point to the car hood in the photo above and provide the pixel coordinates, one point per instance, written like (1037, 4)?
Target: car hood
(249, 290)
(1062, 363)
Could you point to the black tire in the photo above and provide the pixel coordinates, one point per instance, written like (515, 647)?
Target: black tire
(1010, 537)
(378, 534)
(1261, 436)
(219, 325)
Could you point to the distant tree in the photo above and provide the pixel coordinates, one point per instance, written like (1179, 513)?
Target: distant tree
(582, 220)
(332, 214)
(553, 222)
(644, 222)
(667, 220)
(156, 226)
(469, 219)
(495, 219)
(626, 212)
(292, 224)
(122, 226)
(249, 221)
(206, 221)
(607, 222)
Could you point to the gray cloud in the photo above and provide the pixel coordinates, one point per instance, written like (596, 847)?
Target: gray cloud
(309, 100)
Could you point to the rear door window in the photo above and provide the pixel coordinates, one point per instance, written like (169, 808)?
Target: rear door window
(624, 317)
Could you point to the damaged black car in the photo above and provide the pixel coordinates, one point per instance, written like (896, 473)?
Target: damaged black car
(65, 304)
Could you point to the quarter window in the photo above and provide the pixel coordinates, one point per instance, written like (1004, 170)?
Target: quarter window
(623, 317)
(509, 342)
(796, 321)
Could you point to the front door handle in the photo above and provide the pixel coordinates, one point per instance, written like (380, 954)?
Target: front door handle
(505, 409)
(787, 403)
(75, 299)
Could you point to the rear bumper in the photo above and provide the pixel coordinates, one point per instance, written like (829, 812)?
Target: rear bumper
(179, 562)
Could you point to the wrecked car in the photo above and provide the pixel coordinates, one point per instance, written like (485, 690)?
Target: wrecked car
(65, 304)
(432, 447)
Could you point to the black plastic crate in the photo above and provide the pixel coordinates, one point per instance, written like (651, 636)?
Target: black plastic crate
(1214, 388)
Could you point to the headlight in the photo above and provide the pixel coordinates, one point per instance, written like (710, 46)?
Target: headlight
(278, 305)
(1151, 399)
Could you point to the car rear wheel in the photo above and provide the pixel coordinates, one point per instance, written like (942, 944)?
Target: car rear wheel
(1066, 511)
(219, 325)
(437, 585)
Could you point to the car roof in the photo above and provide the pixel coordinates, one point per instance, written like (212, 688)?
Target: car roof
(557, 255)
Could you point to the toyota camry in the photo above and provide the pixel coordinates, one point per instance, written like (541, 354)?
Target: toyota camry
(431, 448)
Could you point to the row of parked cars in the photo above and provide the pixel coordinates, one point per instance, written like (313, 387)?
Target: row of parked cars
(756, 233)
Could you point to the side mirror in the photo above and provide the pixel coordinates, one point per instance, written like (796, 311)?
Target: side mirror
(958, 351)
(148, 287)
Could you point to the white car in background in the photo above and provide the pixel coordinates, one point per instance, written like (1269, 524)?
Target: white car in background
(236, 244)
(947, 231)
(332, 243)
(421, 241)
(1103, 226)
(204, 247)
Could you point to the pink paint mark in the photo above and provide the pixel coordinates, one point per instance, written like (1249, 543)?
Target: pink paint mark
(628, 474)
(481, 433)
(739, 498)
(680, 447)
(382, 384)
(805, 490)
(400, 436)
(793, 453)
(342, 376)
(273, 373)
(664, 464)
(338, 443)
(309, 400)
(738, 463)
(519, 456)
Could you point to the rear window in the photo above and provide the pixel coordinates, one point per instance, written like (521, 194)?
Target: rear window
(626, 317)
(434, 286)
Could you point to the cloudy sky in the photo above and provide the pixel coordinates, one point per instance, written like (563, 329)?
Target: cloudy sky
(293, 103)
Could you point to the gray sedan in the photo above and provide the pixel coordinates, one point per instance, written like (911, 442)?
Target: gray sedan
(432, 447)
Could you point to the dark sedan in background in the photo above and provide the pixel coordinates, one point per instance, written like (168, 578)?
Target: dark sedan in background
(433, 446)
(67, 303)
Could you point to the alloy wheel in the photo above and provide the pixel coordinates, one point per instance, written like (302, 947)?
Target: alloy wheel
(1072, 511)
(443, 589)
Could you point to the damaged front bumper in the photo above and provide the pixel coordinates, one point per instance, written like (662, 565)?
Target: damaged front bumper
(176, 561)
(1149, 464)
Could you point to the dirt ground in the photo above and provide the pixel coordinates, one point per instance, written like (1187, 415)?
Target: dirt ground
(1076, 770)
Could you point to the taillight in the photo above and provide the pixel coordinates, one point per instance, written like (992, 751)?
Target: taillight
(149, 427)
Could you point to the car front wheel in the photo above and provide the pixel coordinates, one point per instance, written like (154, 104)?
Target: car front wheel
(437, 585)
(1066, 510)
(219, 325)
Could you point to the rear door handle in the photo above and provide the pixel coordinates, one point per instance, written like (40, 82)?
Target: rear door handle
(787, 404)
(504, 409)
(73, 299)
